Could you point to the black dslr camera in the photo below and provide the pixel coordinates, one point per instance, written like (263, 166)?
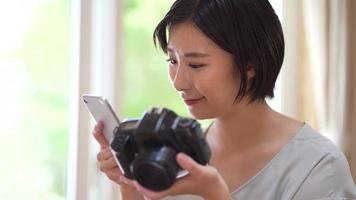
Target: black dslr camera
(146, 149)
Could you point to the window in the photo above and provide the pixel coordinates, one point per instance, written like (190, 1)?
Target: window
(34, 65)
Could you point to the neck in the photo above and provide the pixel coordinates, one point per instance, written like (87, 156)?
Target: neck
(244, 127)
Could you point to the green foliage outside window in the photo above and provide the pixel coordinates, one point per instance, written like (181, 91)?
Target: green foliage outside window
(34, 149)
(146, 82)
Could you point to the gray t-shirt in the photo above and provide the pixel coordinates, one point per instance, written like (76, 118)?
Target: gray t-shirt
(308, 167)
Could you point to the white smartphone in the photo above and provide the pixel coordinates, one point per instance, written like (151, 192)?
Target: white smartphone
(101, 110)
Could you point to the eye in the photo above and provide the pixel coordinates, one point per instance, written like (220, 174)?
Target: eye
(171, 61)
(195, 66)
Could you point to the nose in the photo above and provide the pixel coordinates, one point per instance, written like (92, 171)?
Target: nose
(180, 78)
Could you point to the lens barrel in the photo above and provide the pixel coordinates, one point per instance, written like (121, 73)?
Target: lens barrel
(156, 169)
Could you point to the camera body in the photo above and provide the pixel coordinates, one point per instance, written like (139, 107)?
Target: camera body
(146, 148)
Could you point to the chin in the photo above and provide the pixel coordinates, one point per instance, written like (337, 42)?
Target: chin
(201, 115)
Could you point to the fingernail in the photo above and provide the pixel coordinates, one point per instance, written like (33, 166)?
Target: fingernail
(181, 156)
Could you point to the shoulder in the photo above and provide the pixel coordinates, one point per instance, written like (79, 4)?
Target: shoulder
(329, 173)
(310, 144)
(309, 166)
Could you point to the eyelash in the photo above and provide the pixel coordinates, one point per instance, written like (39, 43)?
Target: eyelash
(170, 60)
(196, 66)
(173, 62)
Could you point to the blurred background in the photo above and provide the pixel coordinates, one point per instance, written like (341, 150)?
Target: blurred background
(53, 51)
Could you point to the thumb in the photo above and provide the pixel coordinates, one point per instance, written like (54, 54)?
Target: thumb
(189, 164)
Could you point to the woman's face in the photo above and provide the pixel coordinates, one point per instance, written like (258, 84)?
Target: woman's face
(201, 72)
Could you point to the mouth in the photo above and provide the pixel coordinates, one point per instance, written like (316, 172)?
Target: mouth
(190, 102)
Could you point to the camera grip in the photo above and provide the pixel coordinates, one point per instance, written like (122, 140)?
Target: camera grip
(195, 142)
(119, 145)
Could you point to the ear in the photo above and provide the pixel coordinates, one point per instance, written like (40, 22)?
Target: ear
(250, 72)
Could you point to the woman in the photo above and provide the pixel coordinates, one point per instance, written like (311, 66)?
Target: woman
(224, 59)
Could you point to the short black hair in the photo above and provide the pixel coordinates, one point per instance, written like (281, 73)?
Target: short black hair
(248, 29)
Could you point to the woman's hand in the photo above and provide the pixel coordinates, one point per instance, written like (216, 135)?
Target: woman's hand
(204, 181)
(108, 165)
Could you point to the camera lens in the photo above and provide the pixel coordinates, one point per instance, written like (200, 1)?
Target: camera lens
(156, 169)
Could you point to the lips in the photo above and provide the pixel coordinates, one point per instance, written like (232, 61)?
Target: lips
(190, 102)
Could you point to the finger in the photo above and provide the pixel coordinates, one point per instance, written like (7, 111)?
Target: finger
(114, 175)
(108, 164)
(174, 190)
(148, 193)
(126, 181)
(104, 154)
(99, 136)
(189, 164)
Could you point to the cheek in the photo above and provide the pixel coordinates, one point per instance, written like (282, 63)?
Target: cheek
(220, 88)
(171, 73)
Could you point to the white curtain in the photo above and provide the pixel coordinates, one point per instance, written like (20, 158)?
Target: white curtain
(320, 68)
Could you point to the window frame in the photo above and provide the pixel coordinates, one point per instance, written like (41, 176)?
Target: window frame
(96, 52)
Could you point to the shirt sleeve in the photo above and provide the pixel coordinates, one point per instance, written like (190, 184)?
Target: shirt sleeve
(330, 179)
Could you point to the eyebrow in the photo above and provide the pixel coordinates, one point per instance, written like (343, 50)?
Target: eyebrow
(191, 54)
